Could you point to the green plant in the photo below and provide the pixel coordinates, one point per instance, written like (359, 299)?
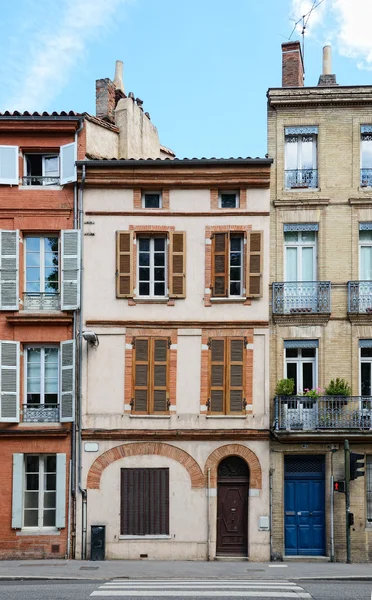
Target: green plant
(285, 387)
(313, 393)
(338, 387)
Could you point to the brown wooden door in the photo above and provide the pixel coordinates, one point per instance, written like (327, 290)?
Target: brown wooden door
(232, 509)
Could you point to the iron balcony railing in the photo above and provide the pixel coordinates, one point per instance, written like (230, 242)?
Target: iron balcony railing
(359, 294)
(293, 297)
(41, 301)
(301, 178)
(297, 413)
(365, 177)
(39, 180)
(41, 413)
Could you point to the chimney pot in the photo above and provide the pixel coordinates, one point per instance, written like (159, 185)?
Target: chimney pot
(118, 79)
(327, 79)
(292, 65)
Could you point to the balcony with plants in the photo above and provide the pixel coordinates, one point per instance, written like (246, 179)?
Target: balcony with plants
(321, 411)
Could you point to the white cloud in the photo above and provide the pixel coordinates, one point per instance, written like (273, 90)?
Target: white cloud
(57, 43)
(353, 29)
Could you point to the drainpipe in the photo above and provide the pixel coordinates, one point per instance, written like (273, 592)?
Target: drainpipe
(271, 512)
(208, 513)
(332, 512)
(80, 382)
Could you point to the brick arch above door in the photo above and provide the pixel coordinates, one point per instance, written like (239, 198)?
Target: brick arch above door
(214, 459)
(145, 448)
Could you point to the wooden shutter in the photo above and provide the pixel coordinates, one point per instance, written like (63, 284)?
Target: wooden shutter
(159, 368)
(70, 255)
(177, 264)
(67, 381)
(124, 264)
(9, 270)
(9, 165)
(61, 491)
(235, 392)
(220, 264)
(141, 375)
(217, 375)
(254, 264)
(145, 501)
(9, 382)
(17, 491)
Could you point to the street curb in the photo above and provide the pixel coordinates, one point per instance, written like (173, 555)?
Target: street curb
(105, 578)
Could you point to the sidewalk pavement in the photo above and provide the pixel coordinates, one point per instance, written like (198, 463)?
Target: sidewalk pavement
(151, 569)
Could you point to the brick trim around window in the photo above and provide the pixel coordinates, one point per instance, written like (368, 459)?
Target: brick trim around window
(214, 197)
(137, 199)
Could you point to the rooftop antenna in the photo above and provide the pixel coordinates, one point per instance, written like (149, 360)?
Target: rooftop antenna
(316, 3)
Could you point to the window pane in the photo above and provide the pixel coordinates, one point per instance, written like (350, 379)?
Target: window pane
(50, 482)
(308, 352)
(228, 200)
(235, 259)
(33, 244)
(49, 499)
(31, 499)
(235, 243)
(49, 518)
(291, 236)
(31, 518)
(159, 244)
(144, 259)
(365, 236)
(159, 289)
(144, 244)
(291, 148)
(50, 464)
(33, 274)
(144, 289)
(291, 352)
(366, 152)
(32, 259)
(308, 236)
(367, 352)
(235, 273)
(32, 464)
(160, 274)
(32, 481)
(307, 152)
(144, 274)
(307, 375)
(291, 264)
(366, 262)
(235, 288)
(159, 259)
(292, 374)
(365, 375)
(152, 200)
(51, 279)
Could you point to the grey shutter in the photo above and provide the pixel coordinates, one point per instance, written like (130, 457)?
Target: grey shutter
(9, 270)
(70, 286)
(67, 159)
(67, 381)
(9, 165)
(9, 382)
(61, 491)
(17, 491)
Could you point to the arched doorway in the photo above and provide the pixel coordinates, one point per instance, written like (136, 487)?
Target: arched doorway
(232, 507)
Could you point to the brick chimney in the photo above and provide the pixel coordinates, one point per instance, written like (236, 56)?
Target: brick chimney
(105, 99)
(292, 65)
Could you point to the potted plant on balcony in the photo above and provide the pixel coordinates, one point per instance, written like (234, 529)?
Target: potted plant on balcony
(340, 390)
(284, 390)
(284, 387)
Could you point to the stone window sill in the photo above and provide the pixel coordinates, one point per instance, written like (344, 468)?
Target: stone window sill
(226, 416)
(145, 537)
(151, 300)
(300, 189)
(228, 300)
(38, 532)
(149, 416)
(41, 187)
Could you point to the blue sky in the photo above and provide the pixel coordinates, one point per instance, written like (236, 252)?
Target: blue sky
(202, 67)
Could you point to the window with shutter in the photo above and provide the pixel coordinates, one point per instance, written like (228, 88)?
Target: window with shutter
(144, 502)
(254, 264)
(150, 375)
(124, 262)
(226, 376)
(227, 265)
(177, 264)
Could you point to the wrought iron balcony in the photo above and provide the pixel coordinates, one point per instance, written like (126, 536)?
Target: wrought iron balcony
(365, 177)
(301, 178)
(297, 413)
(40, 413)
(41, 301)
(39, 180)
(359, 295)
(295, 297)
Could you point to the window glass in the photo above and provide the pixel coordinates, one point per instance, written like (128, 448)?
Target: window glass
(152, 266)
(236, 265)
(292, 374)
(42, 270)
(291, 352)
(308, 352)
(152, 200)
(228, 200)
(307, 376)
(365, 375)
(291, 236)
(366, 352)
(366, 144)
(39, 507)
(42, 367)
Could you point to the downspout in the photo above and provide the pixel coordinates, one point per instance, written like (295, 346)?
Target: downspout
(80, 383)
(271, 512)
(73, 430)
(208, 513)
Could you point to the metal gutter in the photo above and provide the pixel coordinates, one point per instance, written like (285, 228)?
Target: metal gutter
(174, 163)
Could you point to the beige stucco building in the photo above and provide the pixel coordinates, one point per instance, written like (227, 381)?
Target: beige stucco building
(321, 244)
(175, 394)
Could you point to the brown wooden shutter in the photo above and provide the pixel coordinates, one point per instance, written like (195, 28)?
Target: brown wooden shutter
(177, 264)
(220, 264)
(141, 375)
(124, 264)
(236, 375)
(254, 264)
(217, 375)
(145, 501)
(159, 375)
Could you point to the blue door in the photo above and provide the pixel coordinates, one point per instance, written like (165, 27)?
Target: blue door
(304, 505)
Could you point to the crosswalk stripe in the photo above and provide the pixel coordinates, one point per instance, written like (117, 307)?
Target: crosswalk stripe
(201, 585)
(213, 582)
(206, 594)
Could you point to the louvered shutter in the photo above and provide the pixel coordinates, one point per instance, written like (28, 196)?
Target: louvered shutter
(254, 264)
(236, 375)
(61, 491)
(17, 491)
(67, 381)
(220, 264)
(217, 375)
(124, 264)
(177, 264)
(9, 270)
(145, 501)
(70, 284)
(9, 382)
(9, 165)
(67, 163)
(141, 375)
(159, 374)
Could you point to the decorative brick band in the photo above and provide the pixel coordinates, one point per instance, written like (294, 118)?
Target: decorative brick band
(145, 448)
(213, 460)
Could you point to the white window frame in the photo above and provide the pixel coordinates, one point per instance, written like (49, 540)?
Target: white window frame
(26, 349)
(361, 151)
(42, 263)
(242, 266)
(148, 192)
(299, 361)
(362, 244)
(152, 237)
(237, 198)
(44, 156)
(41, 491)
(299, 150)
(363, 359)
(299, 245)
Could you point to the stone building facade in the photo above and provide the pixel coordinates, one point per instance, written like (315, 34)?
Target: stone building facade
(175, 396)
(321, 221)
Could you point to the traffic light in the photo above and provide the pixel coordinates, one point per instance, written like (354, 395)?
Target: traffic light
(356, 464)
(339, 486)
